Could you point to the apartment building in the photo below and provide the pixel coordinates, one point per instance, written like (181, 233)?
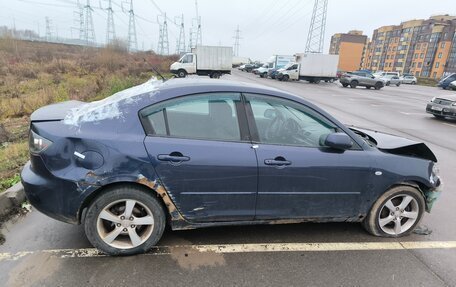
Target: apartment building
(425, 48)
(350, 47)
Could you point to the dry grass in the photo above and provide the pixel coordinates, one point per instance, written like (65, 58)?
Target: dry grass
(35, 74)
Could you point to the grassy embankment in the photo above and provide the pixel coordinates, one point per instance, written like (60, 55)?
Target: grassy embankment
(34, 74)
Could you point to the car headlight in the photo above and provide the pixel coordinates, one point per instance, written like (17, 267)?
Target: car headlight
(453, 104)
(435, 175)
(433, 99)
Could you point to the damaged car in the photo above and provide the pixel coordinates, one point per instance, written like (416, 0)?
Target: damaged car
(442, 107)
(191, 153)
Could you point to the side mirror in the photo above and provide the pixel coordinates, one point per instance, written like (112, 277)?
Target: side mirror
(339, 141)
(270, 113)
(373, 77)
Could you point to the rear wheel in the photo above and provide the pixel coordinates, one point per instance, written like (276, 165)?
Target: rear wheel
(125, 220)
(344, 85)
(378, 86)
(387, 83)
(353, 84)
(413, 83)
(396, 213)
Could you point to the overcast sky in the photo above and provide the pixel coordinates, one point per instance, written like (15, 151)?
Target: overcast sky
(267, 26)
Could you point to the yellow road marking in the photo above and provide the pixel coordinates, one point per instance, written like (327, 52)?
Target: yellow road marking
(249, 248)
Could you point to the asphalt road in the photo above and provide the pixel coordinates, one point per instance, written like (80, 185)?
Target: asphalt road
(42, 252)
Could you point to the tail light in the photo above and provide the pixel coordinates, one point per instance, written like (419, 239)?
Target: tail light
(37, 143)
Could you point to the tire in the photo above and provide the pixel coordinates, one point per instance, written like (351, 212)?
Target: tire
(398, 84)
(317, 82)
(285, 78)
(368, 87)
(395, 214)
(378, 86)
(353, 84)
(215, 75)
(387, 83)
(113, 203)
(413, 83)
(344, 85)
(181, 73)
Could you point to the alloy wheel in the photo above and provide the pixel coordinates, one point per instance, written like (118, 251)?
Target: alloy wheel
(398, 214)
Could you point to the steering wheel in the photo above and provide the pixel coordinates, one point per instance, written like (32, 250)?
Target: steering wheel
(273, 131)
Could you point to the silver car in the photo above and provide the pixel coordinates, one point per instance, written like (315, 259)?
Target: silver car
(442, 107)
(409, 80)
(392, 80)
(359, 78)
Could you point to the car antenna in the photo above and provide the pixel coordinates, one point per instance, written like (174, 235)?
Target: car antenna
(156, 71)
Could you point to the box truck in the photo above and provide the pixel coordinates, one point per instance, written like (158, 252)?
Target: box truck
(212, 61)
(312, 68)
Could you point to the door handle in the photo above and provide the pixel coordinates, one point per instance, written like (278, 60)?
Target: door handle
(173, 157)
(278, 161)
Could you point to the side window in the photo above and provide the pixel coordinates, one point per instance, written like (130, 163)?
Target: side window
(209, 116)
(284, 122)
(188, 59)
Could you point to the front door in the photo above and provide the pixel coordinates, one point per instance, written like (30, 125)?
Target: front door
(298, 177)
(203, 156)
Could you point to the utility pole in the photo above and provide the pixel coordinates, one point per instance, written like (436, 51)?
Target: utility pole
(48, 29)
(110, 30)
(316, 36)
(237, 37)
(180, 45)
(89, 31)
(132, 39)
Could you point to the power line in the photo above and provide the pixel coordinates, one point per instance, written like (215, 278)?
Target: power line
(316, 36)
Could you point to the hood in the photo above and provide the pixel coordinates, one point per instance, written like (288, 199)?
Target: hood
(397, 145)
(173, 65)
(448, 97)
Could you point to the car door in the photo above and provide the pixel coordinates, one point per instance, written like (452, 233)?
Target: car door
(202, 155)
(298, 177)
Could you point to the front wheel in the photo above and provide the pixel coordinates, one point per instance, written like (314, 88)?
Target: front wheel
(181, 74)
(396, 213)
(353, 84)
(344, 85)
(398, 84)
(285, 78)
(125, 220)
(378, 86)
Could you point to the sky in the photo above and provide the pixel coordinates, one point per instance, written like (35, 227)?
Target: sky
(267, 26)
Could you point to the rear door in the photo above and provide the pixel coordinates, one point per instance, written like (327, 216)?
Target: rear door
(200, 149)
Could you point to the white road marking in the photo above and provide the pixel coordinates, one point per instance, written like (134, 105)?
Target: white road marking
(248, 248)
(451, 125)
(408, 114)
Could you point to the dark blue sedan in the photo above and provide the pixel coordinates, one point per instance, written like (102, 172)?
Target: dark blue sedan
(189, 153)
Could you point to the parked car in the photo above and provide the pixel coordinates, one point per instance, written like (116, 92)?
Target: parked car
(445, 81)
(407, 79)
(392, 80)
(198, 153)
(242, 67)
(272, 73)
(354, 79)
(452, 85)
(442, 107)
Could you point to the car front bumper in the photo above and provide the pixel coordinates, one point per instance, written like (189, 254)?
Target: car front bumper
(441, 110)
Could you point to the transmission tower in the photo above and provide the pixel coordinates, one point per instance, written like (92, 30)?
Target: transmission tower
(237, 37)
(190, 40)
(180, 45)
(315, 38)
(110, 30)
(89, 31)
(132, 40)
(199, 37)
(163, 43)
(79, 20)
(48, 29)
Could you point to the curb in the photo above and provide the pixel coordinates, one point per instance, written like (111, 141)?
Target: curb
(11, 198)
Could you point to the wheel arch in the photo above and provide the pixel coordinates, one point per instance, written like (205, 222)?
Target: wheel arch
(113, 185)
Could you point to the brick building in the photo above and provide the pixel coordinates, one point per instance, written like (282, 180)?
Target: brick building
(424, 48)
(350, 47)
